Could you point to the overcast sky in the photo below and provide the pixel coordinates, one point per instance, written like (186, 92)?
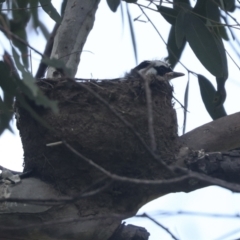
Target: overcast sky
(108, 53)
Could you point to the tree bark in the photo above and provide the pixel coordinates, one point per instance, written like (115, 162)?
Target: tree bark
(219, 135)
(71, 36)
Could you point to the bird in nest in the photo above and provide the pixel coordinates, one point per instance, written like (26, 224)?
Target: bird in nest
(160, 70)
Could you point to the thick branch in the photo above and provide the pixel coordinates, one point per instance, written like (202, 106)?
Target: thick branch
(219, 135)
(72, 34)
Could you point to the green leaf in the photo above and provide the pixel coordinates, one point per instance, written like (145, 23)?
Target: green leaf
(228, 5)
(6, 104)
(220, 46)
(221, 94)
(179, 4)
(6, 115)
(131, 1)
(34, 13)
(63, 7)
(200, 8)
(213, 16)
(18, 23)
(186, 94)
(174, 52)
(132, 34)
(50, 10)
(35, 115)
(113, 4)
(29, 87)
(44, 30)
(169, 14)
(180, 29)
(13, 87)
(208, 94)
(208, 49)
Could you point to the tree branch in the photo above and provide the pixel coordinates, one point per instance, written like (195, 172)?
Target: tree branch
(72, 34)
(219, 135)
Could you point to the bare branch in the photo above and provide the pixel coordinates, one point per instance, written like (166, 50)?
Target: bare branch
(71, 36)
(219, 135)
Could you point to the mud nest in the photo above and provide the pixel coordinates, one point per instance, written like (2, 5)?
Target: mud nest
(93, 129)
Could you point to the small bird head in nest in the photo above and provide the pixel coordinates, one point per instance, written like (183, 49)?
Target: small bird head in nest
(159, 69)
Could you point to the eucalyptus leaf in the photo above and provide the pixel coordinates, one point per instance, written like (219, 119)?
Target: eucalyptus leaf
(180, 29)
(44, 30)
(50, 10)
(113, 4)
(34, 13)
(63, 7)
(174, 52)
(200, 8)
(209, 50)
(28, 86)
(134, 44)
(213, 15)
(169, 14)
(186, 94)
(228, 5)
(179, 4)
(6, 103)
(131, 1)
(208, 94)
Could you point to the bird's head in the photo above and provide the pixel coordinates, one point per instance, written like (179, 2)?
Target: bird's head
(159, 69)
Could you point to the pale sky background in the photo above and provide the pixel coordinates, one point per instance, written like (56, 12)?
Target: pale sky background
(111, 56)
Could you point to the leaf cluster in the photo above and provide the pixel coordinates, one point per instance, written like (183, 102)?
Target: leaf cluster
(17, 81)
(201, 27)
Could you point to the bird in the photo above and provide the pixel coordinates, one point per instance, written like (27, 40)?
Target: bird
(159, 69)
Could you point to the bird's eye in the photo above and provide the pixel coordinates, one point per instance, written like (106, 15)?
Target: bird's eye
(162, 70)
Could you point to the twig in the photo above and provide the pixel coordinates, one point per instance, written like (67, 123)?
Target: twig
(189, 176)
(149, 108)
(47, 52)
(8, 32)
(159, 224)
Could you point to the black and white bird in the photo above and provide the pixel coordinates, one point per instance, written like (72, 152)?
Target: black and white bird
(158, 69)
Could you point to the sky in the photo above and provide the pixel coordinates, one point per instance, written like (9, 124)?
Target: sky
(107, 54)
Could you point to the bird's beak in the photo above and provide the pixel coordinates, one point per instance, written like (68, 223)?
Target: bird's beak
(171, 75)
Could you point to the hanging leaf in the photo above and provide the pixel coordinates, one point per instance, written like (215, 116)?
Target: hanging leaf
(185, 107)
(180, 4)
(20, 18)
(113, 4)
(37, 23)
(209, 50)
(200, 9)
(180, 29)
(213, 15)
(6, 103)
(208, 94)
(169, 14)
(221, 93)
(228, 5)
(50, 10)
(174, 52)
(34, 12)
(6, 115)
(63, 7)
(134, 44)
(29, 87)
